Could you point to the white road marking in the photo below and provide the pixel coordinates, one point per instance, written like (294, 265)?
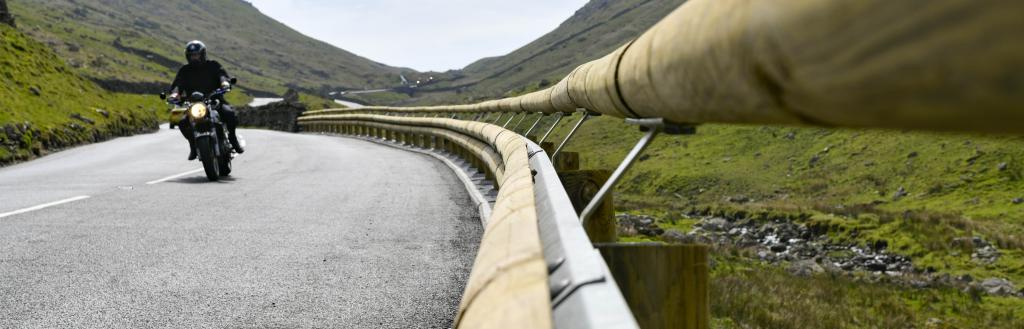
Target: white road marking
(158, 181)
(42, 206)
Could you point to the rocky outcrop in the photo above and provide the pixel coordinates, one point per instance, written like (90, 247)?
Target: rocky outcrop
(806, 251)
(5, 14)
(280, 116)
(25, 141)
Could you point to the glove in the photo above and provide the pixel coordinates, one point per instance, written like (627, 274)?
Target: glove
(225, 85)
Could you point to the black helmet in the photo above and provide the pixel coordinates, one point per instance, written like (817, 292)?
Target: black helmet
(195, 47)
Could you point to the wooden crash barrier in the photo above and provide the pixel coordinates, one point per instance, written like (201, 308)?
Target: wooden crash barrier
(508, 286)
(946, 65)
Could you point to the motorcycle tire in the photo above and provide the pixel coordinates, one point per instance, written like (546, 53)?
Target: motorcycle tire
(209, 159)
(225, 162)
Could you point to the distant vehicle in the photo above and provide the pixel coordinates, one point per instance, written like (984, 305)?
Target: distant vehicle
(214, 149)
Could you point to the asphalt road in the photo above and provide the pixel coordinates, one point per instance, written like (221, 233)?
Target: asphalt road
(309, 232)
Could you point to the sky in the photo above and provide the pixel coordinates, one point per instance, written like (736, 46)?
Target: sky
(425, 35)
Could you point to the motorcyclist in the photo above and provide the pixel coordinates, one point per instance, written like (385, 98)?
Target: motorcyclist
(205, 76)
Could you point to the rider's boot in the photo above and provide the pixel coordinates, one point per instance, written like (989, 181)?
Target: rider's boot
(192, 155)
(233, 138)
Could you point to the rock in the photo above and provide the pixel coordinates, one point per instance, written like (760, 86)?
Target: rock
(715, 224)
(644, 225)
(34, 90)
(103, 112)
(876, 266)
(912, 155)
(900, 193)
(985, 255)
(814, 160)
(1018, 200)
(12, 132)
(918, 284)
(673, 236)
(79, 117)
(1003, 166)
(804, 268)
(998, 287)
(291, 96)
(790, 136)
(778, 247)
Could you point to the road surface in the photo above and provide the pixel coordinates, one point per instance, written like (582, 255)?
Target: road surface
(310, 231)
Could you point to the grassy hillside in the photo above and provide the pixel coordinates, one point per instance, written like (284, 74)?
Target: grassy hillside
(45, 106)
(917, 193)
(137, 45)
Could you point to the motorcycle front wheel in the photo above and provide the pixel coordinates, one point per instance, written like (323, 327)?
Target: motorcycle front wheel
(209, 158)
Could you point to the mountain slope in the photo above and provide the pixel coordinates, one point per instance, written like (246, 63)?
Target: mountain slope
(136, 45)
(593, 31)
(45, 106)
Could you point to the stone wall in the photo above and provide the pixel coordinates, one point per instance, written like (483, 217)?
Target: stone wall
(280, 116)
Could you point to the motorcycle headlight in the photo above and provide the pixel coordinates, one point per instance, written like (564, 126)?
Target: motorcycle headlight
(197, 111)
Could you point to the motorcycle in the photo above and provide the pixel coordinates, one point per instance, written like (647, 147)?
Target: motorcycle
(210, 133)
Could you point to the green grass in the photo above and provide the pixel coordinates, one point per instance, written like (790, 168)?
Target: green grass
(314, 103)
(752, 295)
(27, 66)
(955, 188)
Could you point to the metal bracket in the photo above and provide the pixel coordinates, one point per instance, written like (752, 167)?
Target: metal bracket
(498, 118)
(558, 119)
(652, 127)
(534, 126)
(586, 115)
(520, 122)
(509, 120)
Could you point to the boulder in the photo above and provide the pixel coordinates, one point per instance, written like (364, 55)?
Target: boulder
(998, 287)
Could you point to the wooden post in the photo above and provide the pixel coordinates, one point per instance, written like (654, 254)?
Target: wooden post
(582, 185)
(666, 286)
(5, 14)
(566, 161)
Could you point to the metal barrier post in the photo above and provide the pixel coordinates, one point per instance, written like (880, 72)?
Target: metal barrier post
(653, 127)
(586, 115)
(509, 120)
(558, 118)
(520, 122)
(534, 126)
(500, 114)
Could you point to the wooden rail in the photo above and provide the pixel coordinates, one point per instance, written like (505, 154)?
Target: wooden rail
(508, 286)
(946, 65)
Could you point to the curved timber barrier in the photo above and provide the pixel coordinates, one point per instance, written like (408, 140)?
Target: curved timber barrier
(938, 65)
(945, 65)
(510, 285)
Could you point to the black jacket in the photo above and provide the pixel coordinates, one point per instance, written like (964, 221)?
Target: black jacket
(204, 78)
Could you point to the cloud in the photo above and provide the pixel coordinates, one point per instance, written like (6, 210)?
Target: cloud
(423, 34)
